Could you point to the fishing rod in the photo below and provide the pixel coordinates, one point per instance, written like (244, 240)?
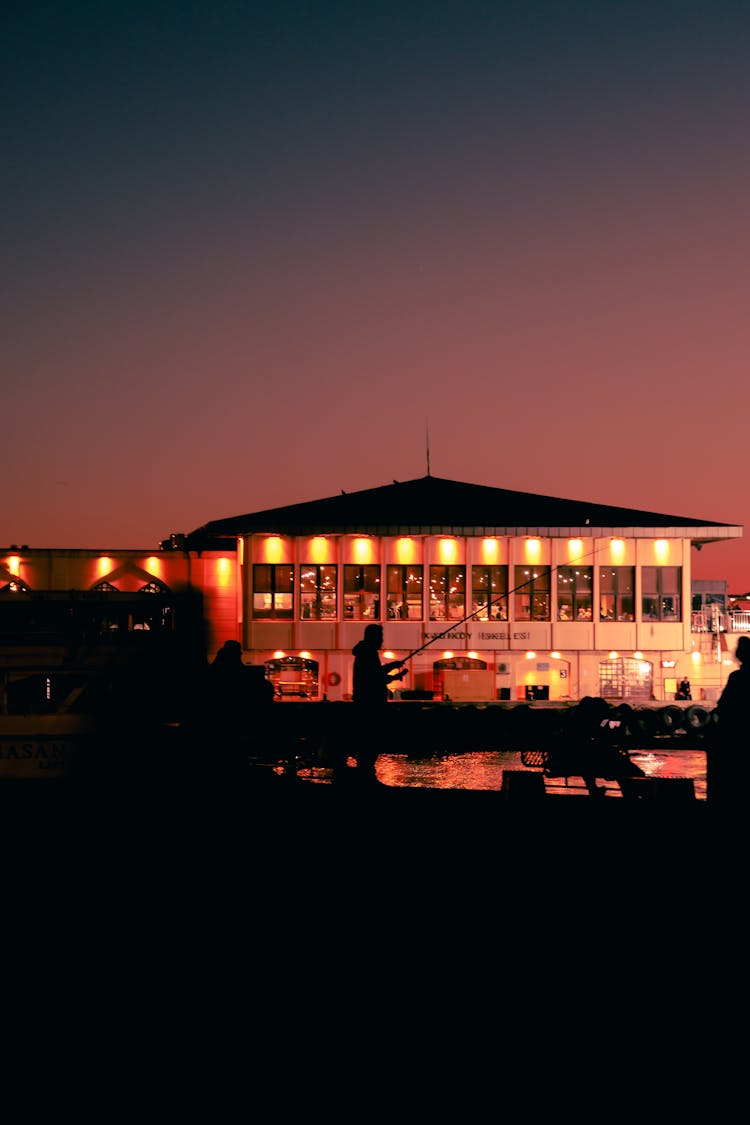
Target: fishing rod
(497, 600)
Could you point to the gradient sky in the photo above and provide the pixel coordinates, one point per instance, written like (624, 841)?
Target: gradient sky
(254, 252)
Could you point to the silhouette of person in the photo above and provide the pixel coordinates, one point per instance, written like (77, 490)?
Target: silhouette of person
(683, 689)
(732, 729)
(235, 694)
(370, 695)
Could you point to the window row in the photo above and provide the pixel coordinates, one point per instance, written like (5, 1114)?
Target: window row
(489, 594)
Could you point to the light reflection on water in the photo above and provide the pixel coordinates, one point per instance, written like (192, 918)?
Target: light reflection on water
(484, 770)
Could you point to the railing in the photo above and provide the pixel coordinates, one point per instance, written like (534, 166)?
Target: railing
(736, 622)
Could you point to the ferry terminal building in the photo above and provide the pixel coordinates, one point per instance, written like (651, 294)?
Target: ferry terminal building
(489, 594)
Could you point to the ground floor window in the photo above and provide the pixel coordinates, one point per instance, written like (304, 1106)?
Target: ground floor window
(293, 676)
(626, 678)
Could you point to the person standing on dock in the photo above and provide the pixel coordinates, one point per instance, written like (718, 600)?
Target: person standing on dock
(370, 695)
(723, 753)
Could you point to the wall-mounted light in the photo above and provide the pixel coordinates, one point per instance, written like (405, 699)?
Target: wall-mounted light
(362, 551)
(273, 549)
(406, 551)
(447, 551)
(490, 550)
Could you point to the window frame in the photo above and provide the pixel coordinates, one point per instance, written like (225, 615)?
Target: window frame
(401, 601)
(276, 591)
(490, 603)
(535, 589)
(453, 603)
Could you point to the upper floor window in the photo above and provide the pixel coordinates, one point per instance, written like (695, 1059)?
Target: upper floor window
(532, 589)
(273, 591)
(489, 593)
(317, 592)
(447, 593)
(575, 585)
(660, 599)
(362, 593)
(404, 589)
(617, 593)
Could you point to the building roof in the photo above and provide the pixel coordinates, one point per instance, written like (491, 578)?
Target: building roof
(435, 506)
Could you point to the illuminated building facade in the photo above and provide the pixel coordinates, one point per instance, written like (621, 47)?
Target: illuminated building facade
(489, 594)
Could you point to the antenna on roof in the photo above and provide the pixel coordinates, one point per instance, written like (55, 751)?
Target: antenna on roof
(427, 444)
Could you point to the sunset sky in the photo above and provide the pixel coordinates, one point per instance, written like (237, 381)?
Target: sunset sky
(254, 253)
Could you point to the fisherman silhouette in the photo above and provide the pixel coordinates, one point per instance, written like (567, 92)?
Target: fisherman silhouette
(370, 696)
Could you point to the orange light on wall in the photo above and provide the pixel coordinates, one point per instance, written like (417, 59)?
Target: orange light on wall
(406, 550)
(661, 550)
(14, 565)
(223, 572)
(319, 549)
(616, 549)
(362, 551)
(471, 655)
(533, 550)
(305, 655)
(154, 566)
(531, 656)
(555, 655)
(447, 551)
(388, 654)
(273, 549)
(638, 655)
(613, 655)
(575, 549)
(104, 564)
(448, 655)
(490, 550)
(240, 551)
(279, 654)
